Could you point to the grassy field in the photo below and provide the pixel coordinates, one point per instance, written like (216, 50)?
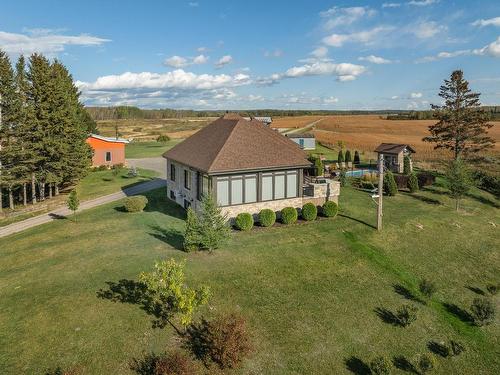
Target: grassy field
(294, 121)
(95, 184)
(311, 292)
(148, 149)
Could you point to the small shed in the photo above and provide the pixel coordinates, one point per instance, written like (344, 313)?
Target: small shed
(306, 141)
(107, 150)
(394, 154)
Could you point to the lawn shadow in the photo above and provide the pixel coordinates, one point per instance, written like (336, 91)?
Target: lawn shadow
(434, 190)
(438, 348)
(424, 199)
(136, 293)
(483, 200)
(387, 316)
(160, 203)
(476, 290)
(358, 220)
(406, 293)
(357, 366)
(57, 216)
(145, 365)
(402, 363)
(197, 340)
(171, 236)
(460, 313)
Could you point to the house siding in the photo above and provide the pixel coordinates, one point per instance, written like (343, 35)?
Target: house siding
(309, 143)
(100, 148)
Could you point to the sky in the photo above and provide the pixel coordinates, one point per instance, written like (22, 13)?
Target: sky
(203, 54)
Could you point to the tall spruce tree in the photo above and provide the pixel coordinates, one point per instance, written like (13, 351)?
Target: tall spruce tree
(462, 125)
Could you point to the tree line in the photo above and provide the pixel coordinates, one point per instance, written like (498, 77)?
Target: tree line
(43, 128)
(492, 114)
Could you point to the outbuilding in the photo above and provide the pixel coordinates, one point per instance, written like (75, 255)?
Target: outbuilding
(394, 154)
(107, 151)
(306, 141)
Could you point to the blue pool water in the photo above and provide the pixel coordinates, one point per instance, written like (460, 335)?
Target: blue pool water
(360, 172)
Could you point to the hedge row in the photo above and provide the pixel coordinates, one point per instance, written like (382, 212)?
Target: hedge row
(288, 215)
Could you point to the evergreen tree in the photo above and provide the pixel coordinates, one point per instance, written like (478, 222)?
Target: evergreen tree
(390, 187)
(192, 234)
(406, 165)
(213, 225)
(73, 202)
(462, 125)
(459, 180)
(340, 157)
(357, 160)
(348, 156)
(413, 182)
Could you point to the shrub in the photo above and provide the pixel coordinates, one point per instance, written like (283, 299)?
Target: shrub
(425, 179)
(289, 215)
(213, 225)
(367, 185)
(309, 212)
(492, 288)
(426, 363)
(406, 315)
(163, 138)
(318, 167)
(356, 158)
(427, 288)
(244, 221)
(329, 209)
(401, 181)
(267, 217)
(483, 311)
(487, 182)
(343, 177)
(192, 237)
(136, 203)
(340, 157)
(406, 165)
(348, 156)
(413, 183)
(224, 340)
(380, 366)
(390, 187)
(457, 348)
(175, 363)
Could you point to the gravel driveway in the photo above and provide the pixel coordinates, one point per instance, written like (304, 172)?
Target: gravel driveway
(155, 164)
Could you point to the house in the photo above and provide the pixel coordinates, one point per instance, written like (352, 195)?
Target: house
(394, 154)
(107, 150)
(267, 120)
(246, 166)
(306, 141)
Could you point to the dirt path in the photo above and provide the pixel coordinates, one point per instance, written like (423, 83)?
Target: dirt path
(64, 212)
(303, 129)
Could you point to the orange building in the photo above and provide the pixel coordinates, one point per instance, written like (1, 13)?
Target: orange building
(106, 150)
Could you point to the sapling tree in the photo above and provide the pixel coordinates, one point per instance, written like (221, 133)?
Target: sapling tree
(348, 158)
(192, 233)
(340, 157)
(458, 180)
(213, 226)
(357, 159)
(73, 202)
(390, 186)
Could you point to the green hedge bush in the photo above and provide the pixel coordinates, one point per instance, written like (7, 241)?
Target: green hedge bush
(244, 221)
(309, 212)
(330, 209)
(136, 203)
(163, 138)
(289, 215)
(267, 217)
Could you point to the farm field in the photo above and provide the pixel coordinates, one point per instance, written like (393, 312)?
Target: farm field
(294, 121)
(313, 299)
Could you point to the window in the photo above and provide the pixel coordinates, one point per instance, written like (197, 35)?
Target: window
(237, 191)
(279, 186)
(187, 179)
(172, 172)
(172, 195)
(301, 142)
(108, 155)
(223, 192)
(250, 189)
(291, 185)
(187, 204)
(267, 187)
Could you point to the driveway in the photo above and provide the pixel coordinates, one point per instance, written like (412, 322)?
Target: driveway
(158, 164)
(64, 212)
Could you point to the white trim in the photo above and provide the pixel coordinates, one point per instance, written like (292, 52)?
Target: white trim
(109, 139)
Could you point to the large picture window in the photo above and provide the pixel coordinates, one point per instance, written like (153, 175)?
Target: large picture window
(250, 189)
(267, 187)
(172, 172)
(187, 179)
(223, 192)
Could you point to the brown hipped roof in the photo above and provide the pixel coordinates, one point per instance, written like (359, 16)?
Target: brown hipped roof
(232, 143)
(393, 148)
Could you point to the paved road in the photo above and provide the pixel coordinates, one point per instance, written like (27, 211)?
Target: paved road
(158, 164)
(63, 212)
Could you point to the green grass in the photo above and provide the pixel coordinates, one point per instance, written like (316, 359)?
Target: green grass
(309, 291)
(136, 150)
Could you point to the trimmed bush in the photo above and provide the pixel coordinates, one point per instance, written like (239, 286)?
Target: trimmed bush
(425, 179)
(357, 160)
(343, 177)
(406, 165)
(329, 209)
(175, 363)
(244, 221)
(390, 187)
(483, 311)
(289, 215)
(136, 203)
(426, 363)
(457, 348)
(380, 366)
(492, 289)
(413, 183)
(267, 217)
(309, 212)
(163, 138)
(406, 315)
(427, 288)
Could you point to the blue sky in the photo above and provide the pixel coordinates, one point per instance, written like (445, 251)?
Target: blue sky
(262, 54)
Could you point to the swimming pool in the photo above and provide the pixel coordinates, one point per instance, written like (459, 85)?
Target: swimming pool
(360, 172)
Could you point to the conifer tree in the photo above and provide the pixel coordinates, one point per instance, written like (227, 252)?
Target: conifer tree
(462, 124)
(390, 186)
(213, 227)
(357, 160)
(340, 157)
(459, 180)
(348, 156)
(192, 234)
(406, 165)
(73, 202)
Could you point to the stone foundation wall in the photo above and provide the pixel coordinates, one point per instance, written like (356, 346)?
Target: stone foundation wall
(255, 208)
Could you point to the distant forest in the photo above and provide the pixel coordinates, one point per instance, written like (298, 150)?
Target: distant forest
(129, 112)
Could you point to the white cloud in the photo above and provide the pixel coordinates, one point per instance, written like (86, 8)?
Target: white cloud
(415, 95)
(365, 37)
(320, 52)
(394, 97)
(44, 41)
(444, 55)
(181, 62)
(330, 100)
(345, 16)
(492, 49)
(391, 5)
(176, 79)
(429, 29)
(200, 59)
(255, 98)
(375, 59)
(423, 3)
(224, 60)
(488, 22)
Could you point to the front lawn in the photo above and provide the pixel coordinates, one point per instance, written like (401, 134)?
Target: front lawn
(316, 295)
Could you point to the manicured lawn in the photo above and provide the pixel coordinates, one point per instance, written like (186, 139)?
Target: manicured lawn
(137, 150)
(310, 292)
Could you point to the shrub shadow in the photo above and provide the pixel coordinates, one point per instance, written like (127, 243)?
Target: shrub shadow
(57, 216)
(460, 313)
(387, 316)
(424, 199)
(357, 366)
(402, 363)
(406, 293)
(483, 200)
(170, 236)
(476, 290)
(197, 340)
(438, 349)
(145, 365)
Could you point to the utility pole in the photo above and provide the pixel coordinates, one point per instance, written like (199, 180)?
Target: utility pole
(380, 190)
